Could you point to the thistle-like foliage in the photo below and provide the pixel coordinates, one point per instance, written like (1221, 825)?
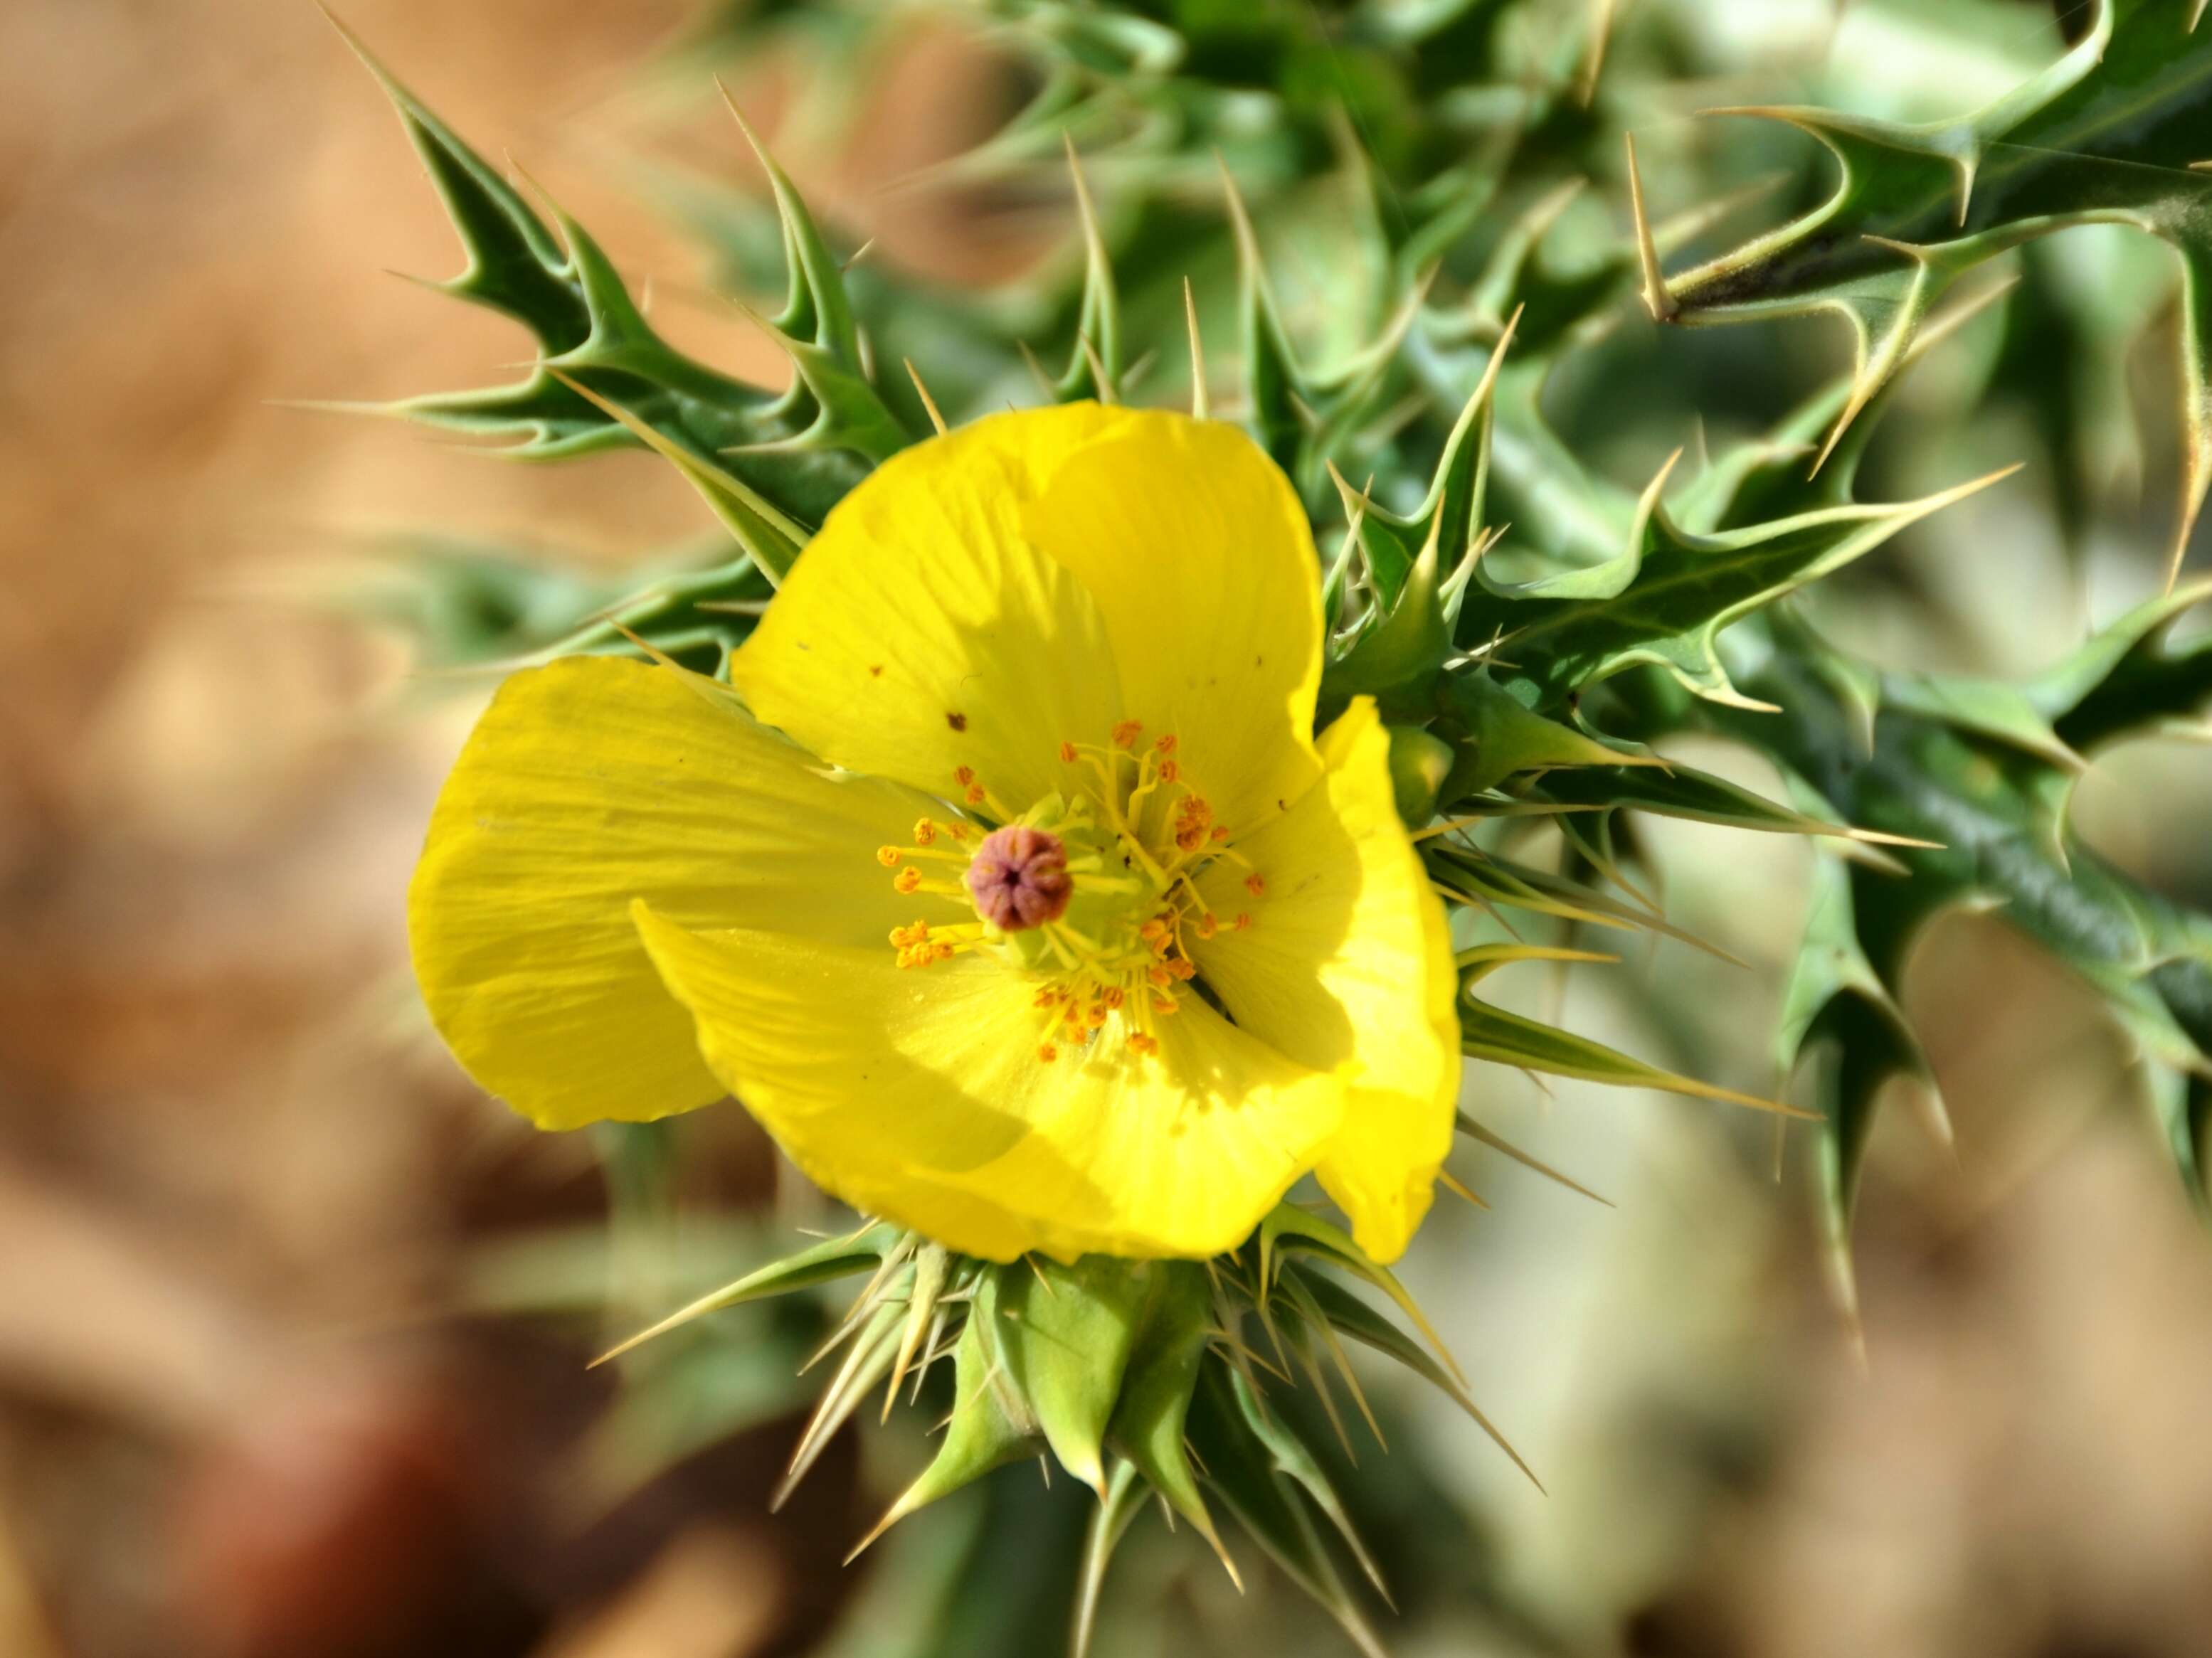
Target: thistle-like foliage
(2111, 134)
(1463, 223)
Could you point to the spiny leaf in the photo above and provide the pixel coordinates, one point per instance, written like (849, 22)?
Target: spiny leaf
(1665, 598)
(1347, 1314)
(1238, 1470)
(1148, 1423)
(1066, 1336)
(991, 1424)
(2110, 134)
(1490, 1033)
(860, 1251)
(1836, 999)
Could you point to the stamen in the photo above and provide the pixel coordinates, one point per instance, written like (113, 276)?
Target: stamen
(907, 881)
(888, 856)
(1254, 884)
(1125, 733)
(924, 832)
(1147, 1045)
(1047, 1052)
(1242, 923)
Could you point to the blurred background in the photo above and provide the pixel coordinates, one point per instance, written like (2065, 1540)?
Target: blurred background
(294, 1325)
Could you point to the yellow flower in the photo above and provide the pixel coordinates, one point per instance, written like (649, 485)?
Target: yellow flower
(1007, 889)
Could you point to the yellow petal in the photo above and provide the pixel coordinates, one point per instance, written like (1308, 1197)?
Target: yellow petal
(1347, 966)
(920, 1095)
(1199, 556)
(591, 782)
(920, 632)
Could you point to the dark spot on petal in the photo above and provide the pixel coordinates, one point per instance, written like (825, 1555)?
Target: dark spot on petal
(876, 669)
(958, 721)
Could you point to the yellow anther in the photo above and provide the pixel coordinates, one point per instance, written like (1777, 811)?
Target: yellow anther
(1127, 732)
(1067, 753)
(1114, 996)
(1047, 1052)
(1253, 884)
(888, 856)
(1153, 931)
(1182, 968)
(908, 880)
(1161, 977)
(1165, 1004)
(924, 832)
(1145, 1045)
(1094, 1014)
(1049, 997)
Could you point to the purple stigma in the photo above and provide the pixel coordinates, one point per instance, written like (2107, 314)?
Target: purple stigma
(1018, 879)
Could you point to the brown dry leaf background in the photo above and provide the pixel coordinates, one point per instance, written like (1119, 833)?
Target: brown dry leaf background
(240, 1414)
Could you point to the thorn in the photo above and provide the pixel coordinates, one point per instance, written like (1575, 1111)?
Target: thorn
(927, 402)
(1106, 394)
(1657, 299)
(1452, 1184)
(1200, 404)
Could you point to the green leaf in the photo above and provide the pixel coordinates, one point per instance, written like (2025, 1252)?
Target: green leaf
(1835, 999)
(1165, 1357)
(1666, 597)
(2110, 134)
(1497, 737)
(1503, 1038)
(1239, 1471)
(991, 1424)
(1067, 1333)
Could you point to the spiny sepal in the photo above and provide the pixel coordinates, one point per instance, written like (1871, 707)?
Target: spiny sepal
(1139, 1377)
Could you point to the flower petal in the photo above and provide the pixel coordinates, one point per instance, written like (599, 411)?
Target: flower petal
(1200, 559)
(920, 632)
(588, 783)
(1347, 966)
(919, 1096)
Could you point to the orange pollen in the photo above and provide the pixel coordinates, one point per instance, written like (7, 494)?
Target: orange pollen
(1242, 922)
(1047, 1052)
(924, 832)
(1161, 977)
(975, 794)
(1127, 732)
(1207, 926)
(907, 880)
(1166, 745)
(1171, 770)
(888, 856)
(1220, 831)
(1067, 753)
(1165, 1004)
(963, 775)
(1145, 1045)
(1182, 968)
(1094, 1014)
(1114, 996)
(1153, 931)
(1254, 884)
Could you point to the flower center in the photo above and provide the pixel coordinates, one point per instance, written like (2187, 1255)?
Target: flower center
(1018, 877)
(1094, 894)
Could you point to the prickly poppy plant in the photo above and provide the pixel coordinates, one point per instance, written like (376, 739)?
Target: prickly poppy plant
(1065, 830)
